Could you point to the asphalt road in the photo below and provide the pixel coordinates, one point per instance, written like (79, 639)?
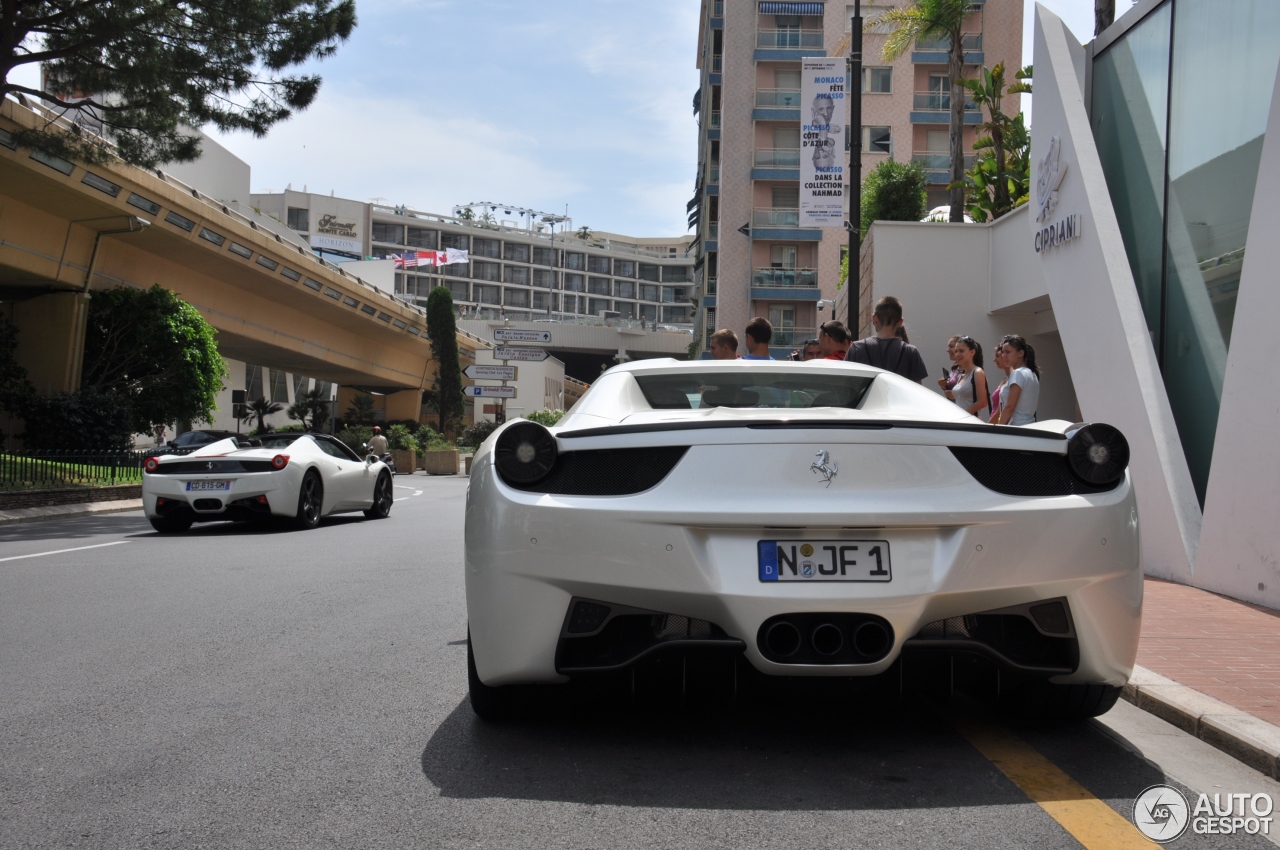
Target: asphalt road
(235, 687)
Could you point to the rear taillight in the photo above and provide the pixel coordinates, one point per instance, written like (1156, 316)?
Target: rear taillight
(151, 465)
(279, 461)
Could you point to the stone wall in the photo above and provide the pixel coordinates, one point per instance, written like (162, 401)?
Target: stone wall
(68, 496)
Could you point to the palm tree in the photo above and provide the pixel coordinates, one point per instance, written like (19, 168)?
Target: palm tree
(934, 19)
(584, 233)
(361, 410)
(261, 408)
(488, 220)
(466, 214)
(311, 409)
(987, 91)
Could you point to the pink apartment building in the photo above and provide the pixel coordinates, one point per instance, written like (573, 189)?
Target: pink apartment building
(755, 259)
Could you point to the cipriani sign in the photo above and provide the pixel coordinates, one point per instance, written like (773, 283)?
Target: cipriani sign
(1051, 172)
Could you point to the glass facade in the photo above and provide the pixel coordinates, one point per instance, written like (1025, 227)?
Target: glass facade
(1179, 109)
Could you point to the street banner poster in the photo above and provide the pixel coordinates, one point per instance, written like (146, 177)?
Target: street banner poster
(822, 157)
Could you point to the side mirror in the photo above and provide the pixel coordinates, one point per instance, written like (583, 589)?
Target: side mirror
(370, 460)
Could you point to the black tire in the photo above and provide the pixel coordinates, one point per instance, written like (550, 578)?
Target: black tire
(1049, 703)
(382, 498)
(310, 502)
(507, 702)
(173, 524)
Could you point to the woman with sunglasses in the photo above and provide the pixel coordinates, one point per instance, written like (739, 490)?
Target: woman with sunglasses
(970, 389)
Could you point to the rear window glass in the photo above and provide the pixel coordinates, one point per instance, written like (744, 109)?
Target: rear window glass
(791, 389)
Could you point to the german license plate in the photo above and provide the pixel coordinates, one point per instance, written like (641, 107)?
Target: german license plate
(824, 560)
(198, 486)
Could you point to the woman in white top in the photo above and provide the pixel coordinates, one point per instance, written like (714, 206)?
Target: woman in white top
(970, 390)
(1021, 394)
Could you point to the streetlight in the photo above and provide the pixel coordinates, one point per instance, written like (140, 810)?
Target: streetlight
(854, 279)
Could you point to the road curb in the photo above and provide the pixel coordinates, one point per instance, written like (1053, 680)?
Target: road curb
(1236, 732)
(17, 515)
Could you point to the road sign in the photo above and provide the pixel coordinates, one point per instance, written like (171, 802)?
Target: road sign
(521, 335)
(482, 372)
(529, 355)
(489, 392)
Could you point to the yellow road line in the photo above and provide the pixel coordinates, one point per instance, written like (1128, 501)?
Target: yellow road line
(1089, 820)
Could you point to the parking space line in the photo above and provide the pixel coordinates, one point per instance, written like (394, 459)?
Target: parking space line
(61, 551)
(1089, 820)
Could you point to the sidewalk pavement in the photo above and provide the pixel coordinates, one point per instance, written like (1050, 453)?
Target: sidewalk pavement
(13, 515)
(1210, 665)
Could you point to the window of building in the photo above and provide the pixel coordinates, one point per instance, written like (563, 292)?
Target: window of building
(624, 289)
(599, 286)
(481, 270)
(677, 315)
(544, 301)
(458, 270)
(392, 234)
(570, 303)
(626, 309)
(253, 382)
(877, 80)
(574, 260)
(544, 278)
(487, 294)
(877, 139)
(516, 297)
(595, 306)
(782, 256)
(515, 252)
(624, 268)
(574, 282)
(786, 138)
(786, 79)
(457, 241)
(598, 265)
(516, 274)
(649, 271)
(279, 387)
(786, 197)
(649, 312)
(458, 289)
(422, 238)
(648, 292)
(677, 274)
(299, 219)
(486, 247)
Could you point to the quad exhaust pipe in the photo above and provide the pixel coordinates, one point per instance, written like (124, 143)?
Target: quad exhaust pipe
(825, 638)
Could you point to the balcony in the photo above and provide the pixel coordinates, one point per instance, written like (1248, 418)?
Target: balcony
(933, 51)
(937, 166)
(713, 175)
(711, 286)
(788, 337)
(778, 98)
(777, 158)
(775, 218)
(788, 39)
(715, 119)
(780, 278)
(717, 9)
(713, 231)
(717, 64)
(934, 107)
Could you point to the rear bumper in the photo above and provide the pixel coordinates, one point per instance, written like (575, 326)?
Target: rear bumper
(163, 495)
(685, 549)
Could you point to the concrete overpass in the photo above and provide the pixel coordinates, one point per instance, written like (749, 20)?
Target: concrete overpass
(67, 229)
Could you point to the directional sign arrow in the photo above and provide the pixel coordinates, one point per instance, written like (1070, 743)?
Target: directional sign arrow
(483, 372)
(489, 392)
(521, 335)
(529, 355)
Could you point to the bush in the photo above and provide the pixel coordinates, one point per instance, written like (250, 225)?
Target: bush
(86, 419)
(355, 436)
(473, 435)
(893, 191)
(546, 418)
(401, 439)
(431, 440)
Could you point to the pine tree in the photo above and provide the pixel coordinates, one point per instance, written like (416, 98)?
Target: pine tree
(147, 69)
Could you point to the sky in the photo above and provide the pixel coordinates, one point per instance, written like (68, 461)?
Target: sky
(585, 103)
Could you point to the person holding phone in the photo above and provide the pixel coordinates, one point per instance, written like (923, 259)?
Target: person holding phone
(949, 373)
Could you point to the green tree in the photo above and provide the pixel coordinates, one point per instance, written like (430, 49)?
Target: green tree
(87, 420)
(988, 91)
(584, 233)
(442, 330)
(156, 351)
(260, 409)
(311, 409)
(361, 410)
(980, 178)
(893, 191)
(16, 391)
(145, 69)
(935, 19)
(467, 214)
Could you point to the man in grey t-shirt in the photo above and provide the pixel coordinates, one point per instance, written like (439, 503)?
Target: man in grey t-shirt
(885, 350)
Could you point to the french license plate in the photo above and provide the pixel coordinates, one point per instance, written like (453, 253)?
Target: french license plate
(824, 560)
(196, 486)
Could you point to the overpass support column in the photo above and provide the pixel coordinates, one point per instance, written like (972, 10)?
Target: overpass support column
(406, 404)
(51, 339)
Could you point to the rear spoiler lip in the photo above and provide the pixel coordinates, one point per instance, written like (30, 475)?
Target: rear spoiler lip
(813, 424)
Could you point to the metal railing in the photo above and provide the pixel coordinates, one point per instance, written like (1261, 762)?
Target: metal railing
(715, 119)
(711, 286)
(777, 158)
(717, 63)
(713, 175)
(775, 218)
(713, 230)
(47, 470)
(970, 41)
(778, 97)
(792, 336)
(935, 101)
(717, 9)
(784, 277)
(789, 38)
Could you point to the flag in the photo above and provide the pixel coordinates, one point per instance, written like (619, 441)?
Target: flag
(452, 256)
(407, 260)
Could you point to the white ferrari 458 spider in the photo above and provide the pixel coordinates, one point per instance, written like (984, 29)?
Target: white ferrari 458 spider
(820, 519)
(300, 477)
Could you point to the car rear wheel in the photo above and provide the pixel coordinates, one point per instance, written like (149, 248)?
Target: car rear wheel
(171, 524)
(310, 501)
(382, 498)
(505, 702)
(1047, 702)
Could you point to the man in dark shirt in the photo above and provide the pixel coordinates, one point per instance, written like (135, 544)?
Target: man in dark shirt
(885, 350)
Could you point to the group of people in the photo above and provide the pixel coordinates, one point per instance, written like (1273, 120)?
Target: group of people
(1011, 402)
